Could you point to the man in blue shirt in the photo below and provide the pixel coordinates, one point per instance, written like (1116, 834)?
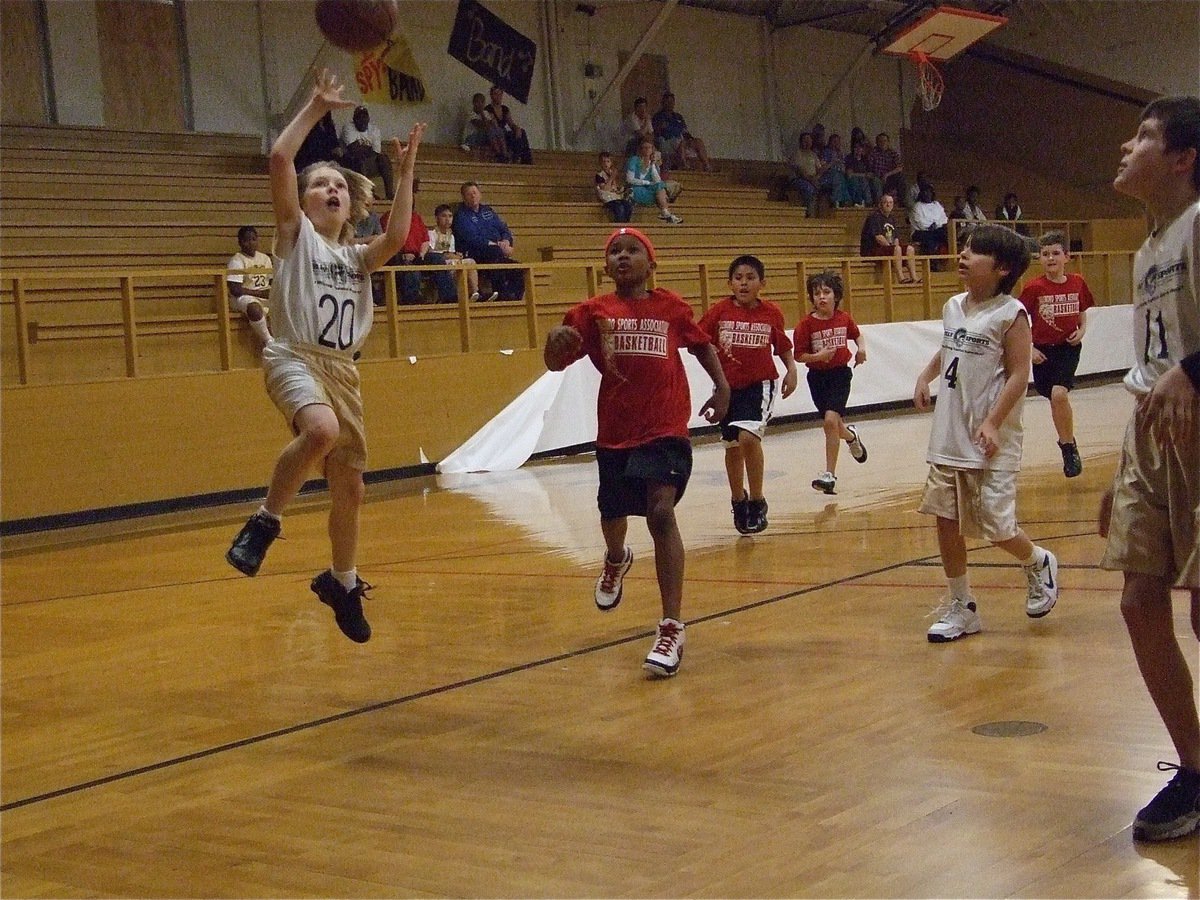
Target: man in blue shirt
(480, 233)
(676, 141)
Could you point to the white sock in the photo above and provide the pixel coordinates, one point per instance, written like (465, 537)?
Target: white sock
(263, 511)
(960, 588)
(1035, 557)
(349, 580)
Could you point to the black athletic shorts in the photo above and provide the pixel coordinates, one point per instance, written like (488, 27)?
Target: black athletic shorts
(625, 473)
(830, 389)
(749, 410)
(1059, 368)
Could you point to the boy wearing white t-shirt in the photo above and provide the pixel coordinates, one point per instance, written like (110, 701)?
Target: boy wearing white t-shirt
(975, 443)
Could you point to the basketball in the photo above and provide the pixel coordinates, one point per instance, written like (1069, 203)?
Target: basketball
(357, 24)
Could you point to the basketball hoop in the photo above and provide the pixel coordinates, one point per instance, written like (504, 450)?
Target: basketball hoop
(929, 80)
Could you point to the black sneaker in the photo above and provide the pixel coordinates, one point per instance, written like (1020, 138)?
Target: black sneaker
(756, 521)
(1072, 463)
(1175, 811)
(741, 515)
(346, 605)
(250, 545)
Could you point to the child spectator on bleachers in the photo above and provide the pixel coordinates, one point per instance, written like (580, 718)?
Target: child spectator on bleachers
(633, 336)
(481, 131)
(646, 186)
(972, 208)
(748, 333)
(820, 341)
(248, 290)
(861, 184)
(1057, 302)
(441, 240)
(611, 190)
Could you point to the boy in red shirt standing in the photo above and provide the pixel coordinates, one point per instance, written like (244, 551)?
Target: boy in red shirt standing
(820, 342)
(1057, 302)
(747, 330)
(633, 337)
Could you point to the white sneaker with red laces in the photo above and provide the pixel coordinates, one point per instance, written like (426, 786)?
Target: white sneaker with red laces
(611, 581)
(663, 661)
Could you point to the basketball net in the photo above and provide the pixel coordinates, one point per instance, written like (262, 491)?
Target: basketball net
(929, 80)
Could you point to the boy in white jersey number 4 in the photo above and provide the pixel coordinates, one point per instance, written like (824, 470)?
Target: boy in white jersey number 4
(321, 312)
(1150, 514)
(975, 443)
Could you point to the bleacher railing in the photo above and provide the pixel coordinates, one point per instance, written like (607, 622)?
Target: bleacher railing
(126, 313)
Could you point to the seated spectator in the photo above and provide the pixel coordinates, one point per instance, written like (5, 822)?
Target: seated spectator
(441, 241)
(363, 151)
(858, 136)
(929, 222)
(481, 234)
(481, 131)
(818, 138)
(636, 126)
(321, 144)
(417, 250)
(611, 190)
(833, 175)
(959, 209)
(805, 172)
(888, 167)
(880, 238)
(672, 134)
(515, 139)
(1010, 211)
(974, 212)
(248, 290)
(646, 186)
(366, 231)
(914, 192)
(861, 184)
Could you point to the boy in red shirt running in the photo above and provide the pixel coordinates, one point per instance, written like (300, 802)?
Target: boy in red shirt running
(633, 337)
(820, 342)
(747, 330)
(1057, 302)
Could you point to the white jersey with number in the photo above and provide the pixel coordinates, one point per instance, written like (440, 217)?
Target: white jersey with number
(321, 294)
(1166, 308)
(972, 377)
(256, 281)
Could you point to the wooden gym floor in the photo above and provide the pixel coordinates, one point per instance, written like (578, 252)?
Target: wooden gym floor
(173, 729)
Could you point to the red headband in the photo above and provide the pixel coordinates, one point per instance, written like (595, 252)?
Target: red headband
(634, 233)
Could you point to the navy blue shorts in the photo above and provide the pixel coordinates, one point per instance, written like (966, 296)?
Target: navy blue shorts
(625, 474)
(830, 389)
(1059, 368)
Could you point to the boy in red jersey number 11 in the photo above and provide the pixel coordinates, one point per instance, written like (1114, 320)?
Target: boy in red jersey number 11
(633, 337)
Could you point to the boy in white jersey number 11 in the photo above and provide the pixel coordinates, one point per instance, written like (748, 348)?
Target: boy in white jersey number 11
(975, 443)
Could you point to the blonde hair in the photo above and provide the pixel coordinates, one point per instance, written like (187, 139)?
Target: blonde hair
(359, 186)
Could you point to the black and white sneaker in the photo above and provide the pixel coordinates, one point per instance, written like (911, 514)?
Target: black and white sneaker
(1175, 810)
(611, 583)
(826, 482)
(857, 449)
(346, 605)
(1072, 462)
(756, 520)
(251, 544)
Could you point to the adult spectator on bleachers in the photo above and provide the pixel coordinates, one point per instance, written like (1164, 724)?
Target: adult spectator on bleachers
(972, 209)
(880, 237)
(611, 190)
(646, 185)
(365, 231)
(637, 125)
(833, 175)
(864, 188)
(481, 131)
(515, 138)
(672, 134)
(482, 235)
(1010, 211)
(321, 144)
(417, 250)
(818, 139)
(363, 150)
(929, 221)
(805, 172)
(248, 290)
(888, 167)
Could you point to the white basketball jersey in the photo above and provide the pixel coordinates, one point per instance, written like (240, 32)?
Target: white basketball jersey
(1166, 308)
(321, 294)
(972, 377)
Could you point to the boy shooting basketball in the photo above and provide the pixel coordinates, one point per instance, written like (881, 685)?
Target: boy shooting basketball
(633, 337)
(1150, 513)
(322, 310)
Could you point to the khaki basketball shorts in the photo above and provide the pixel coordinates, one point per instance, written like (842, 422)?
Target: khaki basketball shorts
(1156, 495)
(982, 501)
(299, 375)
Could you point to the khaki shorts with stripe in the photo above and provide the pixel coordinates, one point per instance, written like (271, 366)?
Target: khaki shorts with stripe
(299, 375)
(1156, 495)
(982, 501)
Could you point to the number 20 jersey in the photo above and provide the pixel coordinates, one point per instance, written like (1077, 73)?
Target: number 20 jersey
(321, 294)
(1166, 308)
(972, 376)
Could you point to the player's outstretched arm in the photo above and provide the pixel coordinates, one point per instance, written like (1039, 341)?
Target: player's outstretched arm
(564, 345)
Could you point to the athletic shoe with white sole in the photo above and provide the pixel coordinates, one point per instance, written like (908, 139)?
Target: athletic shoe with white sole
(665, 655)
(857, 450)
(1043, 585)
(956, 619)
(610, 584)
(1175, 810)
